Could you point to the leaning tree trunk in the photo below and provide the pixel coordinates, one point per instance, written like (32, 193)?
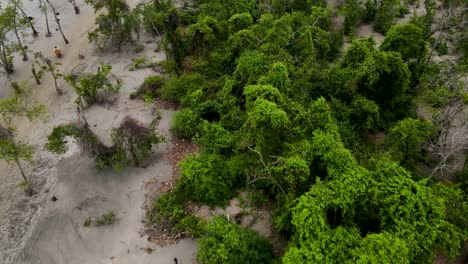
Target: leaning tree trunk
(59, 91)
(36, 76)
(48, 34)
(75, 7)
(6, 64)
(26, 17)
(51, 69)
(58, 22)
(29, 190)
(20, 44)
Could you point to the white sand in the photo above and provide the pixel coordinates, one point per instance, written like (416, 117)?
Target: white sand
(37, 230)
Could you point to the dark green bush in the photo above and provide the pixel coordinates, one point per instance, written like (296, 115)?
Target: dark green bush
(207, 179)
(215, 139)
(149, 87)
(185, 124)
(228, 243)
(177, 87)
(191, 225)
(167, 209)
(442, 48)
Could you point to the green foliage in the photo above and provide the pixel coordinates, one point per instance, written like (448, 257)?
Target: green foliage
(185, 123)
(167, 209)
(381, 248)
(153, 15)
(365, 113)
(268, 125)
(348, 216)
(149, 87)
(12, 149)
(386, 13)
(456, 206)
(140, 63)
(276, 107)
(353, 11)
(175, 88)
(116, 159)
(174, 45)
(224, 9)
(407, 138)
(278, 77)
(136, 139)
(225, 242)
(133, 143)
(442, 48)
(206, 179)
(293, 172)
(191, 225)
(56, 139)
(250, 66)
(88, 85)
(116, 26)
(409, 41)
(239, 21)
(7, 48)
(357, 53)
(106, 219)
(215, 139)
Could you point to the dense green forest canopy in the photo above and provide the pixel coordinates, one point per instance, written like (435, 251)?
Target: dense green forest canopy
(279, 104)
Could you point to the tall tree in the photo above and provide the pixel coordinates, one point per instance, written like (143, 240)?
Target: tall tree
(12, 149)
(6, 47)
(116, 25)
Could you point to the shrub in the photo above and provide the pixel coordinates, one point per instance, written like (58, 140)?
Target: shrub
(167, 209)
(106, 219)
(191, 225)
(185, 123)
(442, 48)
(226, 243)
(149, 87)
(88, 85)
(206, 178)
(215, 139)
(177, 87)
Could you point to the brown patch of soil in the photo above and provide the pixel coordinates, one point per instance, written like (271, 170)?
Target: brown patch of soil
(377, 139)
(182, 148)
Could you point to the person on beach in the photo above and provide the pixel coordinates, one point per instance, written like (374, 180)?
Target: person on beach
(57, 52)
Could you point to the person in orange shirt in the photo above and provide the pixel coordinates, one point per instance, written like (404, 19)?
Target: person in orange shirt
(57, 52)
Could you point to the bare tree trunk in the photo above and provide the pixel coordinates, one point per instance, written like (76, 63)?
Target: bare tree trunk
(4, 132)
(51, 69)
(28, 20)
(29, 190)
(48, 34)
(5, 63)
(23, 50)
(77, 9)
(58, 22)
(59, 91)
(36, 77)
